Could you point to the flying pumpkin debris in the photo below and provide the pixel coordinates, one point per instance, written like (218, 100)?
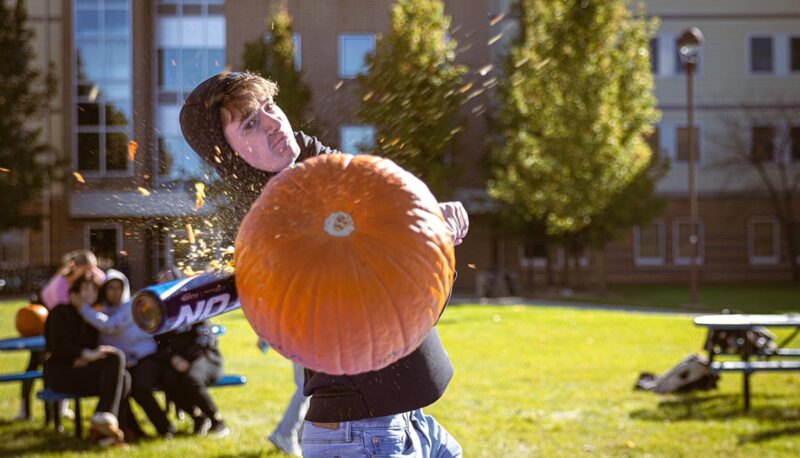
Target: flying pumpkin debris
(132, 147)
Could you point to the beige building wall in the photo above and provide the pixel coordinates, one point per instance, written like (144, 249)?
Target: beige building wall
(725, 83)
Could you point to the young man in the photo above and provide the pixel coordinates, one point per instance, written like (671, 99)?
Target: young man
(232, 121)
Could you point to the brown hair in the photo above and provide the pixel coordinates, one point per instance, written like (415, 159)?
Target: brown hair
(244, 97)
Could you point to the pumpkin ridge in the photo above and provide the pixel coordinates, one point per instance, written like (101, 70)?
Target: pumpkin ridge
(389, 295)
(441, 290)
(445, 258)
(364, 306)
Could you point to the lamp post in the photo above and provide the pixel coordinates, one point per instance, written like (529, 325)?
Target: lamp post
(689, 45)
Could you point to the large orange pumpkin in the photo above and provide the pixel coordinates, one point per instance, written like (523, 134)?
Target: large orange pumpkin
(30, 320)
(344, 263)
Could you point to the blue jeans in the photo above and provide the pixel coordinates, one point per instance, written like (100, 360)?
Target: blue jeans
(407, 434)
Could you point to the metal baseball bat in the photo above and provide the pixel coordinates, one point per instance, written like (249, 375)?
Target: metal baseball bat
(166, 306)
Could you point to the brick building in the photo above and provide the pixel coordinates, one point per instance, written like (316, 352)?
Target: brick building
(124, 67)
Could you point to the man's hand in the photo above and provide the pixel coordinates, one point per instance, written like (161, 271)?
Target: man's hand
(180, 364)
(455, 216)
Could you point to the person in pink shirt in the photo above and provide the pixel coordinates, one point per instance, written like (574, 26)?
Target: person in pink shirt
(75, 265)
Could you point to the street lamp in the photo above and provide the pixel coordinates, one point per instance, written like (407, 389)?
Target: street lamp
(689, 45)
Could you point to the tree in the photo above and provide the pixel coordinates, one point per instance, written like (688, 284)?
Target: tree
(762, 147)
(574, 106)
(413, 90)
(635, 204)
(272, 56)
(25, 159)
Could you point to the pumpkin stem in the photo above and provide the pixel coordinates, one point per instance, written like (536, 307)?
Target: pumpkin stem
(339, 224)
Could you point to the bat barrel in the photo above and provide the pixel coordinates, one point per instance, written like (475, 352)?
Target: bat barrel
(161, 308)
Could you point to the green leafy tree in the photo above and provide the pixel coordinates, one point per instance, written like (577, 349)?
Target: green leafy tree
(413, 90)
(574, 106)
(25, 159)
(272, 56)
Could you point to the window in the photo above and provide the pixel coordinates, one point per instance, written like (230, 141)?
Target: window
(297, 45)
(190, 47)
(356, 139)
(102, 90)
(653, 140)
(761, 55)
(353, 48)
(681, 241)
(648, 244)
(794, 54)
(105, 241)
(14, 248)
(763, 241)
(682, 143)
(763, 143)
(654, 55)
(794, 138)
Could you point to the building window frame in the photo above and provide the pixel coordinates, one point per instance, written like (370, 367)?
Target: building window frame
(641, 261)
(342, 38)
(101, 128)
(789, 39)
(679, 260)
(776, 132)
(297, 50)
(754, 259)
(167, 140)
(699, 154)
(344, 127)
(87, 235)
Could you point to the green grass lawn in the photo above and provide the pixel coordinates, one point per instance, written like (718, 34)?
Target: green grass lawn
(529, 382)
(747, 297)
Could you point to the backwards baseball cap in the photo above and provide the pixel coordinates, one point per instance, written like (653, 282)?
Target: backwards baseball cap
(202, 128)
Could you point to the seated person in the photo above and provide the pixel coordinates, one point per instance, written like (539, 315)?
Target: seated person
(74, 265)
(194, 363)
(117, 328)
(75, 363)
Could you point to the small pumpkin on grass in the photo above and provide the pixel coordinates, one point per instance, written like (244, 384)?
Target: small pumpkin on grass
(344, 263)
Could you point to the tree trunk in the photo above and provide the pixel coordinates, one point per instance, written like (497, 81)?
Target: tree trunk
(578, 275)
(600, 271)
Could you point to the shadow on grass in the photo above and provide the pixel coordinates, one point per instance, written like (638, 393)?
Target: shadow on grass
(719, 407)
(24, 438)
(765, 436)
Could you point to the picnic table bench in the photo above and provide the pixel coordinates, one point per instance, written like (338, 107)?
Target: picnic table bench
(747, 325)
(50, 397)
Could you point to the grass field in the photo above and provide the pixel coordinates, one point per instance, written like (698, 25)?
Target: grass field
(529, 382)
(746, 297)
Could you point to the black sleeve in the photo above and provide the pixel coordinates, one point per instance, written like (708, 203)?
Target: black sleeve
(311, 146)
(60, 329)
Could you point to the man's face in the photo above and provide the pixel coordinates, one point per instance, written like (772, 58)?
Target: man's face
(263, 138)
